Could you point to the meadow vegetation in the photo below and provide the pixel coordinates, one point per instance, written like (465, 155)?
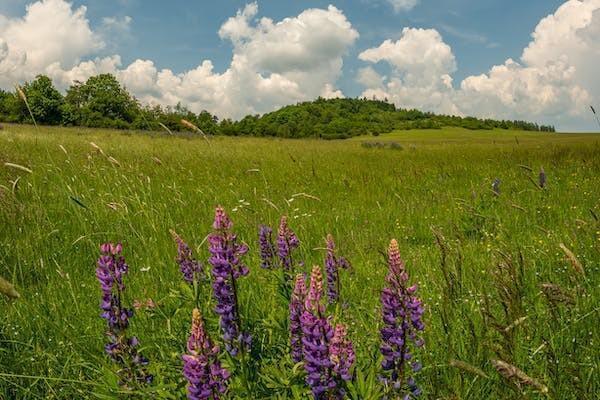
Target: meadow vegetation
(508, 273)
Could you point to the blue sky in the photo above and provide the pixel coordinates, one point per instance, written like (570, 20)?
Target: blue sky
(435, 54)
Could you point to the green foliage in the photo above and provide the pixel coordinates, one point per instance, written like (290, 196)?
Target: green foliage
(44, 100)
(100, 102)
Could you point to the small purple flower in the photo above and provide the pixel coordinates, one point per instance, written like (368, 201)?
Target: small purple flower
(287, 241)
(201, 367)
(267, 249)
(191, 269)
(110, 272)
(225, 259)
(332, 265)
(402, 315)
(296, 310)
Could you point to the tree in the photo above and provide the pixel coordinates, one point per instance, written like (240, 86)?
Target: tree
(100, 101)
(44, 100)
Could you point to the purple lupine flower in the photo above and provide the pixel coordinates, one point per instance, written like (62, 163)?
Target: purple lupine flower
(201, 367)
(191, 269)
(402, 315)
(296, 310)
(267, 249)
(542, 178)
(332, 265)
(287, 241)
(110, 272)
(227, 266)
(341, 352)
(316, 336)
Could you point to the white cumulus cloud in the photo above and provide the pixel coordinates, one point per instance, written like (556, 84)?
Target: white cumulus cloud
(421, 65)
(554, 81)
(50, 32)
(274, 63)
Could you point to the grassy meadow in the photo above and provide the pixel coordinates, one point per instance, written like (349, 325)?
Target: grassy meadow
(480, 259)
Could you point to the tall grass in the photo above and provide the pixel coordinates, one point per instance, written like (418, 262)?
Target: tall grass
(509, 313)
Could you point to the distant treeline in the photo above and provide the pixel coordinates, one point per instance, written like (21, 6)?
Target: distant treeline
(101, 102)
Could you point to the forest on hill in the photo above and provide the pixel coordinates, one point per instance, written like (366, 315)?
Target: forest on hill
(101, 102)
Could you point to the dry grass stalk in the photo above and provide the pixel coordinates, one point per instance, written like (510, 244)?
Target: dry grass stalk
(7, 289)
(309, 196)
(19, 167)
(23, 97)
(165, 128)
(98, 148)
(468, 368)
(516, 376)
(114, 161)
(157, 160)
(516, 323)
(556, 295)
(193, 127)
(577, 266)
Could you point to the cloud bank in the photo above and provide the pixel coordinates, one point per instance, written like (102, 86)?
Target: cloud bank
(554, 80)
(274, 63)
(298, 58)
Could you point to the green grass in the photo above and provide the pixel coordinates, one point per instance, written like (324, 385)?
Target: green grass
(51, 339)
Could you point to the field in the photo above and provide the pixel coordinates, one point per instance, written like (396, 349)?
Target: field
(480, 258)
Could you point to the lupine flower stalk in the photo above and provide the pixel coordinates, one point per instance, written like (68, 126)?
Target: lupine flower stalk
(327, 359)
(267, 249)
(287, 241)
(201, 367)
(542, 178)
(191, 269)
(402, 315)
(316, 335)
(341, 352)
(333, 263)
(110, 271)
(227, 268)
(296, 310)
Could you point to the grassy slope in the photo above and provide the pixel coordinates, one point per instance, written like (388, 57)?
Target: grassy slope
(48, 245)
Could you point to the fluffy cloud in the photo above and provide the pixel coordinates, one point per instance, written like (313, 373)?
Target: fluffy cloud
(554, 81)
(403, 5)
(50, 32)
(421, 65)
(273, 62)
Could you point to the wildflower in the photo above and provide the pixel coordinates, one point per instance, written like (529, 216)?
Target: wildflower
(287, 241)
(201, 367)
(402, 319)
(110, 273)
(332, 265)
(227, 268)
(267, 250)
(341, 352)
(316, 335)
(191, 269)
(296, 309)
(542, 178)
